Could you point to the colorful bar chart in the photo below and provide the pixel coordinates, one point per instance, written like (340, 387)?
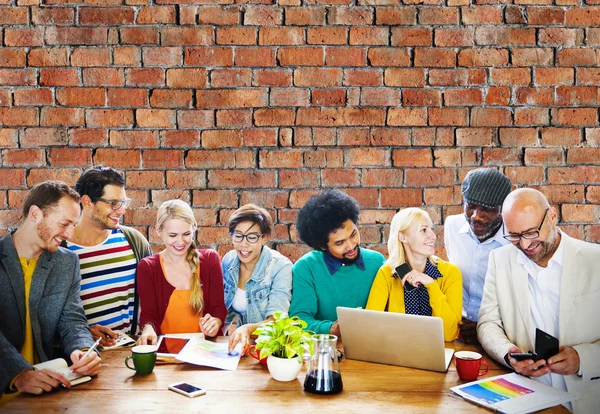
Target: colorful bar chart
(495, 390)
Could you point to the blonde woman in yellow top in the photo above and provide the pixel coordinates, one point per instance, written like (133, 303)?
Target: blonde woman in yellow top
(413, 280)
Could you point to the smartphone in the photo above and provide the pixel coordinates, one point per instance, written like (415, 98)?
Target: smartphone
(524, 356)
(546, 345)
(400, 272)
(187, 389)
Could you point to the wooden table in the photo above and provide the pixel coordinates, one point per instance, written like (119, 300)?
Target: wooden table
(368, 388)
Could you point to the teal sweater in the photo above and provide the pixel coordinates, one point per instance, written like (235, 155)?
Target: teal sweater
(316, 293)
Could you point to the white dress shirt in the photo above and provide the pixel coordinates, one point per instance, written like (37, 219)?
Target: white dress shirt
(471, 256)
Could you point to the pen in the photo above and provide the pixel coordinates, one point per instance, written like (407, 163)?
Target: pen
(91, 349)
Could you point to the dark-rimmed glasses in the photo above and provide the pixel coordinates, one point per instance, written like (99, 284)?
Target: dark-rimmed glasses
(251, 237)
(116, 204)
(528, 234)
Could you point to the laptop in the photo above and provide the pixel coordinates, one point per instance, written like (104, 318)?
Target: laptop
(394, 338)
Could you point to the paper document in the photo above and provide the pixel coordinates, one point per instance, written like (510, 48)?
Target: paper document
(60, 365)
(199, 351)
(512, 394)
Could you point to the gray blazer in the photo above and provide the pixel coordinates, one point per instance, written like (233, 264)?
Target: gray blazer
(55, 308)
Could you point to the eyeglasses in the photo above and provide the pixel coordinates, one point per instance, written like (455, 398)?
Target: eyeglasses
(116, 204)
(528, 234)
(251, 237)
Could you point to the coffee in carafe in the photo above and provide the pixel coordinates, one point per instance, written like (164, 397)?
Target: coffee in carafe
(323, 372)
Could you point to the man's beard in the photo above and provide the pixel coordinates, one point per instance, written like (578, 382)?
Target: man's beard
(492, 228)
(348, 261)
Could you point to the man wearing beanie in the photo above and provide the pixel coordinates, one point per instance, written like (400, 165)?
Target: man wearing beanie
(470, 237)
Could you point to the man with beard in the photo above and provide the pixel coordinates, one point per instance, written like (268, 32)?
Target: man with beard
(546, 280)
(39, 292)
(338, 272)
(108, 253)
(470, 237)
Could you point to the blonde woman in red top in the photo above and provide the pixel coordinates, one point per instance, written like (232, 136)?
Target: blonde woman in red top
(180, 288)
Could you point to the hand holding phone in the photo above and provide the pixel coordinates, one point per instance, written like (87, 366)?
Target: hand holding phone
(402, 271)
(524, 356)
(189, 390)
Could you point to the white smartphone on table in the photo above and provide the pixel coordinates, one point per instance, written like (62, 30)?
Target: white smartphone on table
(187, 389)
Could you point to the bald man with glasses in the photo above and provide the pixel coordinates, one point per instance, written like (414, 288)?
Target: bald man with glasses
(546, 280)
(108, 254)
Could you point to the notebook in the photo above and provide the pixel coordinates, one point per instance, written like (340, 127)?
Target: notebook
(122, 340)
(60, 365)
(394, 338)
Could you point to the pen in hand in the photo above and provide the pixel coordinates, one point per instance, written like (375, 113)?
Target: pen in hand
(92, 349)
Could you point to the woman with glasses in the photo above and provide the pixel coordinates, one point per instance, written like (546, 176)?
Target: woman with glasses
(257, 279)
(180, 288)
(413, 280)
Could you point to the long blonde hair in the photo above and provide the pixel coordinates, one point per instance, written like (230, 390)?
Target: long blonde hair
(400, 223)
(180, 210)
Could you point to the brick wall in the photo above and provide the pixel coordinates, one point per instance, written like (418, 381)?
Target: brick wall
(225, 104)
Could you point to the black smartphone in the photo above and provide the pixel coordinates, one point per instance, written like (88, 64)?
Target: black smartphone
(400, 272)
(546, 345)
(524, 356)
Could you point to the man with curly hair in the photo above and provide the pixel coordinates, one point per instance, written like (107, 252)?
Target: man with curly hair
(338, 272)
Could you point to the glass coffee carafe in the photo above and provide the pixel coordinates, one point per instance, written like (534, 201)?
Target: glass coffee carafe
(323, 370)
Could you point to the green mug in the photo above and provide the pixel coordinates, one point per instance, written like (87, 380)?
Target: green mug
(144, 358)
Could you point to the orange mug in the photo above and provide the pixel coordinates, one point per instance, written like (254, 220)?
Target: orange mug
(468, 365)
(256, 355)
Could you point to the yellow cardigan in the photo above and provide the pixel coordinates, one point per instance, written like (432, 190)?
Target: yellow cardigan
(445, 296)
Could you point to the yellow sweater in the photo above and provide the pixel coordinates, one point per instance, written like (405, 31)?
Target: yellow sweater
(445, 296)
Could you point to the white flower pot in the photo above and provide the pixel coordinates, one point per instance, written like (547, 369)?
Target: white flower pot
(284, 369)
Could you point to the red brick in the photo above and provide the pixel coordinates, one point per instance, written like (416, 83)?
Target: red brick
(532, 116)
(305, 56)
(175, 36)
(389, 137)
(156, 15)
(395, 16)
(272, 77)
(255, 57)
(554, 76)
(407, 117)
(127, 56)
(481, 15)
(340, 177)
(81, 96)
(134, 139)
(24, 37)
(511, 76)
(223, 98)
(274, 117)
(431, 97)
(576, 95)
(145, 179)
(532, 56)
(186, 179)
(387, 56)
(37, 137)
(483, 57)
(209, 159)
(478, 137)
(260, 137)
(145, 77)
(401, 197)
(76, 35)
(88, 137)
(335, 35)
(234, 118)
(544, 156)
(208, 56)
(13, 15)
(580, 213)
(317, 77)
(340, 116)
(62, 117)
(52, 15)
(453, 37)
(280, 36)
(195, 119)
(382, 177)
(463, 97)
(236, 36)
(404, 36)
(585, 16)
(575, 116)
(221, 138)
(219, 15)
(346, 56)
(546, 16)
(525, 175)
(59, 77)
(117, 158)
(162, 56)
(498, 95)
(502, 156)
(305, 16)
(139, 35)
(236, 179)
(535, 96)
(438, 16)
(105, 15)
(582, 155)
(575, 174)
(505, 36)
(23, 157)
(33, 97)
(70, 157)
(18, 116)
(448, 116)
(491, 117)
(412, 158)
(365, 157)
(9, 137)
(369, 35)
(280, 159)
(155, 118)
(561, 136)
(380, 97)
(561, 37)
(434, 57)
(127, 97)
(170, 98)
(48, 57)
(263, 16)
(366, 197)
(577, 57)
(404, 77)
(12, 57)
(588, 76)
(109, 118)
(213, 198)
(289, 97)
(350, 16)
(518, 137)
(362, 77)
(180, 138)
(103, 77)
(90, 57)
(162, 159)
(564, 193)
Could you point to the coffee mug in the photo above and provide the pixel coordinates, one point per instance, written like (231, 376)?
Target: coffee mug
(257, 355)
(468, 365)
(144, 358)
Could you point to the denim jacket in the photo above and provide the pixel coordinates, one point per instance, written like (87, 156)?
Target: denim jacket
(269, 288)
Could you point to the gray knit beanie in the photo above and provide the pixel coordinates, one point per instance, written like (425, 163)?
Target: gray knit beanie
(486, 186)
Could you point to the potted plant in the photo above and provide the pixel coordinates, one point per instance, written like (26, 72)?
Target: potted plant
(283, 342)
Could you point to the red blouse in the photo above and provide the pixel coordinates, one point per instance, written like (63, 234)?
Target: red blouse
(155, 291)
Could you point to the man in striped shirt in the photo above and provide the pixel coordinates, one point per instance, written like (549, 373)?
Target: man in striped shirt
(108, 254)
